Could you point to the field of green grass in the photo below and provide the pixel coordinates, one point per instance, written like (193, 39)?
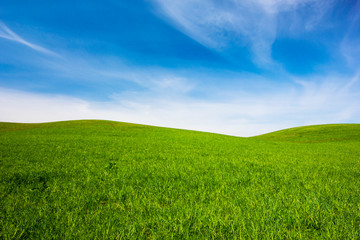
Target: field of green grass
(112, 180)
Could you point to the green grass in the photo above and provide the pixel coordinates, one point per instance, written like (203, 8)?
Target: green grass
(111, 180)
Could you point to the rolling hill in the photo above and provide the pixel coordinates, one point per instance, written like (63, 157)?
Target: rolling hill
(112, 180)
(316, 133)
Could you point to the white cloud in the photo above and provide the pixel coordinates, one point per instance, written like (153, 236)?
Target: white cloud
(153, 78)
(310, 102)
(350, 47)
(7, 33)
(216, 24)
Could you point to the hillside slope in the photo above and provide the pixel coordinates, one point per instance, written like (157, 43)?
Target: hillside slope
(316, 133)
(112, 180)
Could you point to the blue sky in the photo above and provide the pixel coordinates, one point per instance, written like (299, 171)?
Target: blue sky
(234, 67)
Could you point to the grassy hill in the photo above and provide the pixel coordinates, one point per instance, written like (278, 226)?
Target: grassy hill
(112, 180)
(316, 133)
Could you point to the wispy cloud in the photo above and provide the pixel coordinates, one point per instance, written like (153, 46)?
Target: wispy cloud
(82, 68)
(7, 33)
(154, 79)
(309, 102)
(217, 24)
(350, 47)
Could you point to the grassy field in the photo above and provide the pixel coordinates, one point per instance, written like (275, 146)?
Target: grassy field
(111, 180)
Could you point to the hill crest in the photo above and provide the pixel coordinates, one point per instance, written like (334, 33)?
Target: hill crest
(312, 133)
(316, 133)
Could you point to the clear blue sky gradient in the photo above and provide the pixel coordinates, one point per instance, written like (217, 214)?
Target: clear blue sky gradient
(262, 65)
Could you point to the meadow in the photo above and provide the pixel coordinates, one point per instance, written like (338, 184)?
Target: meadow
(113, 180)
